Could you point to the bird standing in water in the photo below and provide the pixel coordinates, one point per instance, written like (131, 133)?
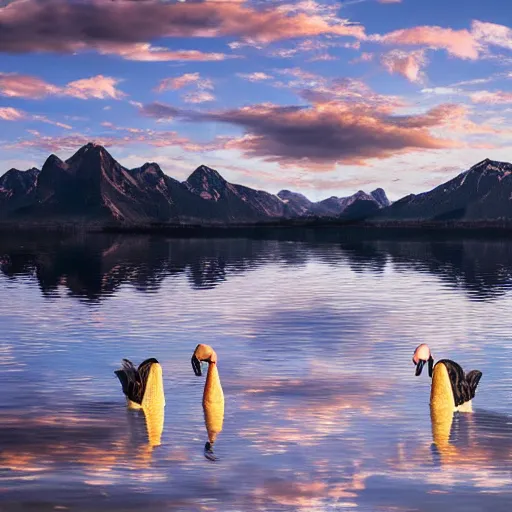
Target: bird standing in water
(144, 389)
(213, 396)
(451, 388)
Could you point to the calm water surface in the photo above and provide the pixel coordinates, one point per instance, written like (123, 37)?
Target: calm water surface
(314, 339)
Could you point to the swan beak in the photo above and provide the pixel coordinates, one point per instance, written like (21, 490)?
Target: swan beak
(196, 365)
(419, 367)
(430, 366)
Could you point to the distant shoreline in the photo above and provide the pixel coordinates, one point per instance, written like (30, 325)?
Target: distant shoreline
(361, 227)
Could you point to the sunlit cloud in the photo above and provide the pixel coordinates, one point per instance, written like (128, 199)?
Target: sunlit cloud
(44, 119)
(178, 82)
(144, 52)
(492, 34)
(11, 114)
(407, 64)
(364, 57)
(491, 98)
(256, 76)
(115, 27)
(459, 43)
(470, 44)
(322, 135)
(203, 87)
(14, 85)
(198, 97)
(14, 114)
(26, 86)
(127, 137)
(99, 87)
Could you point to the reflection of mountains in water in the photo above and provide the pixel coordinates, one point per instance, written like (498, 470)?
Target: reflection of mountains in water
(95, 266)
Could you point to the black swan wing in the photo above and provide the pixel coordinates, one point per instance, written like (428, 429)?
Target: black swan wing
(130, 381)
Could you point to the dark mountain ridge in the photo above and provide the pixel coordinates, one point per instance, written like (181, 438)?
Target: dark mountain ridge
(17, 189)
(483, 192)
(91, 186)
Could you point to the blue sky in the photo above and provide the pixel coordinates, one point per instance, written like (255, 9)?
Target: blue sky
(320, 97)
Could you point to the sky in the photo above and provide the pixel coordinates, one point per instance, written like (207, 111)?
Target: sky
(321, 97)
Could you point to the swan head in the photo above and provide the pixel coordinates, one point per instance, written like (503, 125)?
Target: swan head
(202, 353)
(421, 356)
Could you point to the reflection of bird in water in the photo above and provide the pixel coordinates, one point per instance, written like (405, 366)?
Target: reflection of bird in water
(91, 434)
(144, 389)
(213, 396)
(452, 389)
(481, 440)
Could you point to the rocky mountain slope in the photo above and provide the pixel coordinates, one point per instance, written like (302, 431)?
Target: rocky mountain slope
(239, 202)
(92, 186)
(17, 189)
(483, 192)
(335, 206)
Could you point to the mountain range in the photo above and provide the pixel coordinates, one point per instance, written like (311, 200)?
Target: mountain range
(91, 186)
(483, 192)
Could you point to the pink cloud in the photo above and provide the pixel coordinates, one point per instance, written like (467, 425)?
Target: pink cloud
(492, 34)
(99, 87)
(44, 119)
(465, 44)
(455, 120)
(101, 25)
(322, 57)
(364, 57)
(300, 73)
(144, 52)
(127, 137)
(343, 92)
(203, 85)
(407, 64)
(310, 7)
(316, 46)
(321, 136)
(491, 98)
(26, 86)
(295, 181)
(11, 114)
(460, 43)
(198, 97)
(257, 76)
(14, 114)
(178, 82)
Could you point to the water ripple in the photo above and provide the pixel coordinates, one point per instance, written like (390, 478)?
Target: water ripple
(314, 337)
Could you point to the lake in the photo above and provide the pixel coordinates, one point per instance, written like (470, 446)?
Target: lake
(314, 338)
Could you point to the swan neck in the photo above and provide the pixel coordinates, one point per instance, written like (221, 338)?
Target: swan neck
(212, 387)
(441, 393)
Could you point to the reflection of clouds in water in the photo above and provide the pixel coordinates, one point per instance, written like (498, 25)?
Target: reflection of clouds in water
(323, 411)
(99, 437)
(299, 495)
(8, 361)
(476, 457)
(315, 412)
(334, 473)
(385, 492)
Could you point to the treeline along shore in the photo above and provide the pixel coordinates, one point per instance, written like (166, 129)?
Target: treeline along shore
(365, 228)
